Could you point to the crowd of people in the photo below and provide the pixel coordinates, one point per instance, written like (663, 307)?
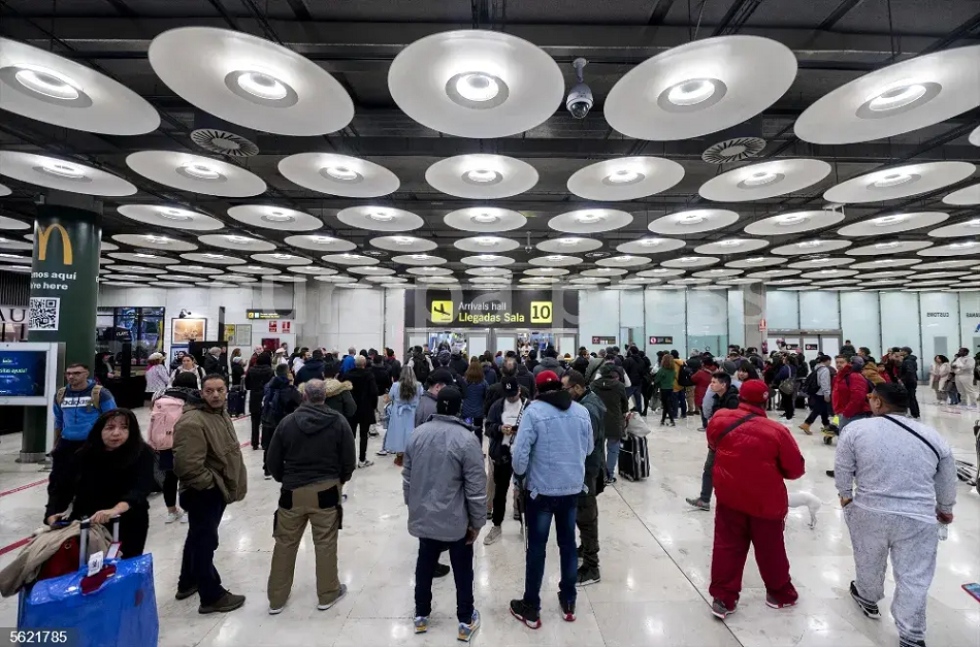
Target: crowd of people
(474, 434)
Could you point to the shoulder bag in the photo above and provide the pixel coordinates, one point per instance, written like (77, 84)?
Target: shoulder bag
(732, 427)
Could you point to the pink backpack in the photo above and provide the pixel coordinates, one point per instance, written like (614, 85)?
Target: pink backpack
(166, 411)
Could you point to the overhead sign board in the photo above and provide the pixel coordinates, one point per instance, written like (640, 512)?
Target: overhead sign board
(269, 314)
(454, 309)
(661, 341)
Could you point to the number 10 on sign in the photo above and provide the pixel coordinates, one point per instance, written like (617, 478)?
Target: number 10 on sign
(541, 312)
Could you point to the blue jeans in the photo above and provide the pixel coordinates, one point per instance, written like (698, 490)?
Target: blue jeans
(612, 457)
(634, 392)
(461, 557)
(540, 510)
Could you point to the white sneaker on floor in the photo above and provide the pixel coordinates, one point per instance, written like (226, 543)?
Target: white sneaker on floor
(381, 452)
(492, 536)
(183, 517)
(365, 464)
(175, 516)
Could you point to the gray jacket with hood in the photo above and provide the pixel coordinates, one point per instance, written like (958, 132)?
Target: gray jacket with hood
(312, 444)
(444, 481)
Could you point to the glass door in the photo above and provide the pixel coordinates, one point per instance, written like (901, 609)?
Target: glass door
(477, 343)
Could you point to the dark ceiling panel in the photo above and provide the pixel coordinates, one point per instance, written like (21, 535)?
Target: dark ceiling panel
(392, 10)
(922, 17)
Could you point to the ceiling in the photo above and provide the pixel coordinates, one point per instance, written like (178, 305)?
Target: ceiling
(834, 42)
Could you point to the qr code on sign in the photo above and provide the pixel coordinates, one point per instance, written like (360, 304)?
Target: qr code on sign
(44, 313)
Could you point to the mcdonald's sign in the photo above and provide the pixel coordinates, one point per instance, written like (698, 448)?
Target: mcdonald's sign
(44, 235)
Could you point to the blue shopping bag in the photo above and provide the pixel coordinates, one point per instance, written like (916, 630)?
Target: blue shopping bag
(116, 607)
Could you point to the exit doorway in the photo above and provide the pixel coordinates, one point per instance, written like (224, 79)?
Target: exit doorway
(805, 342)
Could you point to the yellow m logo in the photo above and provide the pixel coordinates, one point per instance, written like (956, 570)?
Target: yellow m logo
(44, 234)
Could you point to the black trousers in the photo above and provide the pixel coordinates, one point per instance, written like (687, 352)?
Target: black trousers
(667, 401)
(787, 404)
(256, 419)
(204, 510)
(913, 401)
(502, 472)
(169, 488)
(64, 463)
(819, 407)
(267, 432)
(587, 520)
(461, 557)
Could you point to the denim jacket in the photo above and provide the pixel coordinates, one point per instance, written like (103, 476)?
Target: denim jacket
(551, 445)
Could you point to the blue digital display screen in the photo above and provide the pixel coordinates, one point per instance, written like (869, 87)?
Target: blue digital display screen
(22, 372)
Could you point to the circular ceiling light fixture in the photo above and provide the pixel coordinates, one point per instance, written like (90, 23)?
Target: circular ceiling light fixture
(790, 219)
(894, 223)
(278, 216)
(590, 221)
(481, 177)
(765, 180)
(476, 83)
(900, 98)
(41, 85)
(693, 221)
(886, 221)
(627, 178)
(964, 197)
(342, 175)
(700, 87)
(250, 81)
(271, 217)
(900, 182)
(974, 137)
(196, 174)
(59, 174)
(235, 241)
(376, 218)
(485, 219)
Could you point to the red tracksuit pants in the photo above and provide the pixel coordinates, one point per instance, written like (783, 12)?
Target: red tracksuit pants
(734, 532)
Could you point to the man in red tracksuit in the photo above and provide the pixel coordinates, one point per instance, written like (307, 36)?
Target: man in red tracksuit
(753, 456)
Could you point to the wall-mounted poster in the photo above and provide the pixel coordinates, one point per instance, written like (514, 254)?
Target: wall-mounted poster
(243, 335)
(183, 331)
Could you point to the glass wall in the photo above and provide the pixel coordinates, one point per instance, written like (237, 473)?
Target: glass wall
(707, 321)
(940, 316)
(899, 321)
(860, 319)
(783, 309)
(666, 317)
(818, 310)
(970, 320)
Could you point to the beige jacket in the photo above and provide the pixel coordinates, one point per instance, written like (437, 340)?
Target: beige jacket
(25, 567)
(207, 452)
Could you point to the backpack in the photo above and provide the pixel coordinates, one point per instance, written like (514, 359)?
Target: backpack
(166, 411)
(420, 365)
(272, 408)
(95, 397)
(811, 386)
(685, 377)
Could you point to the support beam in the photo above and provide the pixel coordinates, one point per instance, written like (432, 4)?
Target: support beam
(660, 10)
(837, 14)
(736, 16)
(122, 8)
(300, 9)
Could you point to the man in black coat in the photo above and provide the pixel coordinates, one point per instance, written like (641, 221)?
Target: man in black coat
(364, 389)
(255, 380)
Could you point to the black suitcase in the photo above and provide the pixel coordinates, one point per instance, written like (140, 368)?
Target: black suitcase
(236, 402)
(634, 458)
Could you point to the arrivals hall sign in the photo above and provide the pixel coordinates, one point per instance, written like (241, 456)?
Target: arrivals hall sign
(456, 309)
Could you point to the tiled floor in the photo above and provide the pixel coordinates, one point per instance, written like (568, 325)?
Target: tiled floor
(655, 566)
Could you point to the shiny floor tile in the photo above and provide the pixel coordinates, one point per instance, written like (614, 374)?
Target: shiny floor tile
(655, 559)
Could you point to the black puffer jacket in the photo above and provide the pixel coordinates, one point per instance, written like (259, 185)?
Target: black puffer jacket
(613, 395)
(313, 444)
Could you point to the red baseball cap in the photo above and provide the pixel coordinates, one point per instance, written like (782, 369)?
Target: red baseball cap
(753, 392)
(547, 381)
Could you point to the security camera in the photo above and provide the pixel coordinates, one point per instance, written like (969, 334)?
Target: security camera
(579, 100)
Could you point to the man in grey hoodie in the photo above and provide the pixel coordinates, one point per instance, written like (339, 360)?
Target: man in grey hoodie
(445, 489)
(905, 478)
(438, 380)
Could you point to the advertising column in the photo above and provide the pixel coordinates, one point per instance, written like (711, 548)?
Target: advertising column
(64, 294)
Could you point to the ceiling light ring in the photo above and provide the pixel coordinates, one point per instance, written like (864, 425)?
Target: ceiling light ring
(199, 172)
(261, 88)
(623, 177)
(692, 95)
(881, 106)
(63, 171)
(477, 90)
(760, 179)
(41, 84)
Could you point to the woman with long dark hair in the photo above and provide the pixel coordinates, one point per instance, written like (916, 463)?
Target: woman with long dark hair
(664, 381)
(475, 396)
(404, 396)
(113, 479)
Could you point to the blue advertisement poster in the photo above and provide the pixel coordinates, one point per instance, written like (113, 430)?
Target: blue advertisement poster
(22, 372)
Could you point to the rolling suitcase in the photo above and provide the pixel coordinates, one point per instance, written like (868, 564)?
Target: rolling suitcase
(634, 458)
(236, 402)
(111, 607)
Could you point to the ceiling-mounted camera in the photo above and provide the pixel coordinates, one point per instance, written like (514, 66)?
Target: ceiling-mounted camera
(579, 100)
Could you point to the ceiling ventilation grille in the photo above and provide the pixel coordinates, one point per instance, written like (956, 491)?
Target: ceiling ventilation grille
(224, 143)
(733, 150)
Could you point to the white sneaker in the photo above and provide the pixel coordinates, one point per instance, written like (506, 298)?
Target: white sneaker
(366, 464)
(492, 536)
(174, 516)
(340, 596)
(183, 517)
(275, 612)
(381, 452)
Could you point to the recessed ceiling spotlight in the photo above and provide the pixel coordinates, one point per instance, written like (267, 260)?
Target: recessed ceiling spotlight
(691, 218)
(622, 259)
(731, 242)
(159, 240)
(973, 223)
(809, 243)
(898, 98)
(215, 256)
(421, 257)
(888, 180)
(884, 221)
(688, 259)
(350, 256)
(236, 239)
(382, 215)
(822, 260)
(760, 178)
(200, 171)
(890, 245)
(485, 218)
(179, 215)
(283, 257)
(341, 173)
(322, 239)
(490, 258)
(482, 176)
(650, 242)
(487, 241)
(47, 83)
(963, 245)
(479, 90)
(63, 170)
(623, 176)
(790, 219)
(692, 92)
(556, 257)
(590, 217)
(757, 259)
(144, 255)
(403, 240)
(264, 86)
(275, 215)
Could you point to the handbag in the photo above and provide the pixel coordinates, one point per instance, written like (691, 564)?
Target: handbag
(637, 427)
(787, 386)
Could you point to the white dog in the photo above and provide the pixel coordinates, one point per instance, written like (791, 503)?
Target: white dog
(798, 499)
